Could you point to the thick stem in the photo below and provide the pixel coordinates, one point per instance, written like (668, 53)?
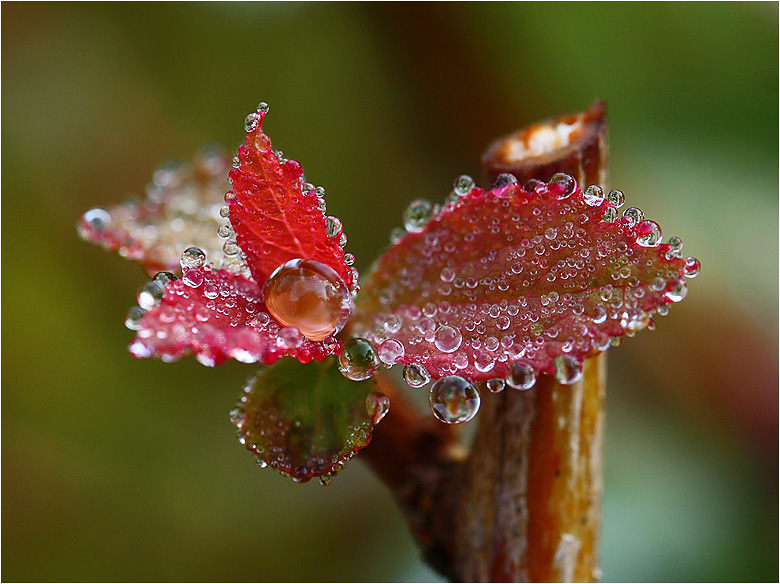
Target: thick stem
(526, 503)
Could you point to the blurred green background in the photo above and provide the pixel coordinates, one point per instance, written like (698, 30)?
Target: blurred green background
(115, 469)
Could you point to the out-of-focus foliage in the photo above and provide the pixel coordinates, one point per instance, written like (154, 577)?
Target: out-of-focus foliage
(115, 469)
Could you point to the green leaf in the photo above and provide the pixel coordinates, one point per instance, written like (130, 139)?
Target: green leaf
(307, 420)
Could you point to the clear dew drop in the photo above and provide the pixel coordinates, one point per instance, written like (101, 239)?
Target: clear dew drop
(678, 292)
(521, 376)
(377, 406)
(133, 318)
(568, 370)
(164, 277)
(231, 248)
(97, 219)
(251, 122)
(504, 180)
(616, 197)
(464, 184)
(416, 375)
(325, 480)
(675, 248)
(495, 385)
(193, 257)
(594, 195)
(390, 351)
(237, 416)
(634, 215)
(224, 231)
(610, 215)
(564, 181)
(447, 339)
(224, 211)
(417, 215)
(650, 234)
(359, 360)
(334, 226)
(310, 296)
(150, 295)
(454, 400)
(692, 267)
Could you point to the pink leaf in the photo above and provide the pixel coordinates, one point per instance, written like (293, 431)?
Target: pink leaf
(217, 315)
(511, 282)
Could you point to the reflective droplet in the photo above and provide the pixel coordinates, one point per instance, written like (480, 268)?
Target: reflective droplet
(565, 183)
(334, 226)
(193, 257)
(359, 360)
(692, 267)
(416, 375)
(649, 234)
(417, 215)
(504, 180)
(567, 369)
(377, 406)
(164, 277)
(610, 215)
(224, 211)
(495, 385)
(594, 195)
(224, 231)
(521, 376)
(675, 248)
(96, 220)
(678, 292)
(193, 278)
(309, 296)
(447, 339)
(325, 480)
(251, 122)
(237, 416)
(133, 318)
(634, 215)
(454, 400)
(464, 184)
(231, 248)
(289, 337)
(447, 275)
(150, 295)
(616, 197)
(390, 351)
(262, 107)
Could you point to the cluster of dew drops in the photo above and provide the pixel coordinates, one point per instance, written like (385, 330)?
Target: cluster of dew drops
(454, 399)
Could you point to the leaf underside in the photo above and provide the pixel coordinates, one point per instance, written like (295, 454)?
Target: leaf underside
(306, 420)
(513, 276)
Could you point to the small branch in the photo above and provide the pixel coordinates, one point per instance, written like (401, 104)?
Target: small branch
(525, 504)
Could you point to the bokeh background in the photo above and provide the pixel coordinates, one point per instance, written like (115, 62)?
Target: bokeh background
(115, 469)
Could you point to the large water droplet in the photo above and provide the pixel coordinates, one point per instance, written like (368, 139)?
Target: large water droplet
(504, 180)
(133, 318)
(417, 215)
(634, 215)
(309, 296)
(521, 376)
(359, 360)
(454, 400)
(464, 184)
(616, 197)
(334, 226)
(495, 385)
(568, 370)
(692, 267)
(649, 234)
(416, 375)
(193, 257)
(594, 195)
(447, 339)
(678, 292)
(377, 406)
(96, 220)
(150, 295)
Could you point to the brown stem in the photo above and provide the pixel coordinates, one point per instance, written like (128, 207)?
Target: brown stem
(525, 504)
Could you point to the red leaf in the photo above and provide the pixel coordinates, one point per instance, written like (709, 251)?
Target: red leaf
(217, 315)
(275, 216)
(181, 210)
(509, 276)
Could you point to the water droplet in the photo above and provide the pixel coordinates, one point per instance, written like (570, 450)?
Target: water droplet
(150, 295)
(334, 226)
(495, 385)
(96, 220)
(237, 416)
(416, 375)
(224, 231)
(262, 108)
(236, 162)
(231, 248)
(164, 277)
(504, 180)
(678, 292)
(521, 376)
(447, 339)
(531, 184)
(447, 275)
(251, 122)
(594, 195)
(454, 400)
(310, 296)
(692, 267)
(610, 215)
(133, 318)
(325, 480)
(675, 248)
(289, 337)
(649, 234)
(634, 215)
(616, 197)
(193, 278)
(377, 406)
(565, 183)
(390, 351)
(417, 215)
(349, 259)
(359, 360)
(567, 369)
(193, 257)
(392, 323)
(464, 184)
(224, 211)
